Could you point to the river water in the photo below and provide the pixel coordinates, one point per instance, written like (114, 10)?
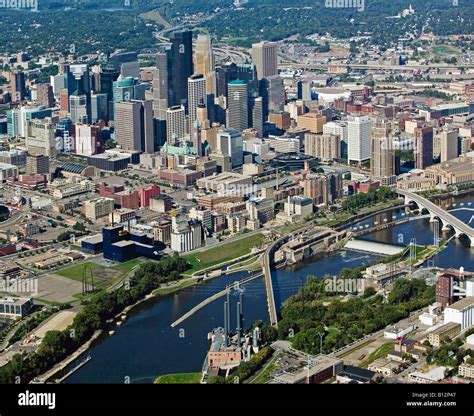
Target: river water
(146, 346)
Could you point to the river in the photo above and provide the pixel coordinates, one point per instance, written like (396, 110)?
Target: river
(146, 346)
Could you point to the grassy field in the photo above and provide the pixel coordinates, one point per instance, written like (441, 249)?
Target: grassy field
(180, 378)
(222, 253)
(380, 352)
(103, 276)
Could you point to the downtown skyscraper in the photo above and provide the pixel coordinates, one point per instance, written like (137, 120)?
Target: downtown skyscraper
(204, 62)
(180, 66)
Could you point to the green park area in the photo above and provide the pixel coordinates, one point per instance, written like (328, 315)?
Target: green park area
(104, 277)
(180, 378)
(223, 252)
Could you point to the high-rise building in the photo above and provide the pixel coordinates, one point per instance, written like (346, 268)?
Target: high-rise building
(180, 66)
(204, 61)
(358, 133)
(230, 142)
(99, 107)
(160, 86)
(78, 110)
(265, 58)
(18, 87)
(126, 63)
(79, 85)
(423, 147)
(196, 96)
(64, 136)
(324, 147)
(41, 137)
(175, 124)
(237, 105)
(256, 114)
(382, 154)
(272, 90)
(225, 74)
(304, 90)
(17, 119)
(448, 145)
(128, 89)
(37, 165)
(45, 96)
(134, 126)
(86, 139)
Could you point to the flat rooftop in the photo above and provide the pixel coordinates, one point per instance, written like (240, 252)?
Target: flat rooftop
(462, 304)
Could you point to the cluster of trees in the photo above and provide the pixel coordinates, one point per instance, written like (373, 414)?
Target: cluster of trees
(305, 316)
(279, 19)
(450, 354)
(354, 202)
(56, 345)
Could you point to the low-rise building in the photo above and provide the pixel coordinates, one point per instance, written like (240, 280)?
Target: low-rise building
(15, 307)
(439, 335)
(466, 370)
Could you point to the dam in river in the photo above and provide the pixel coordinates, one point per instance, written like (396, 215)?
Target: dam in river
(374, 247)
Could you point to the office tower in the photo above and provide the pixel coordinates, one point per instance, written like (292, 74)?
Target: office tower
(45, 95)
(304, 90)
(79, 85)
(127, 89)
(382, 154)
(175, 124)
(18, 87)
(225, 74)
(107, 77)
(41, 137)
(160, 86)
(64, 101)
(37, 165)
(336, 128)
(126, 63)
(237, 106)
(204, 61)
(423, 147)
(256, 114)
(265, 58)
(247, 73)
(358, 133)
(230, 142)
(99, 107)
(58, 82)
(272, 91)
(18, 118)
(196, 95)
(134, 126)
(324, 147)
(78, 108)
(64, 135)
(180, 66)
(86, 139)
(448, 145)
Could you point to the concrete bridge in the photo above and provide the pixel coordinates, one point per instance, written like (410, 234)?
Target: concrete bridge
(448, 220)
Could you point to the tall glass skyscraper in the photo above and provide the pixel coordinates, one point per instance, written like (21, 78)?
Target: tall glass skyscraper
(180, 66)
